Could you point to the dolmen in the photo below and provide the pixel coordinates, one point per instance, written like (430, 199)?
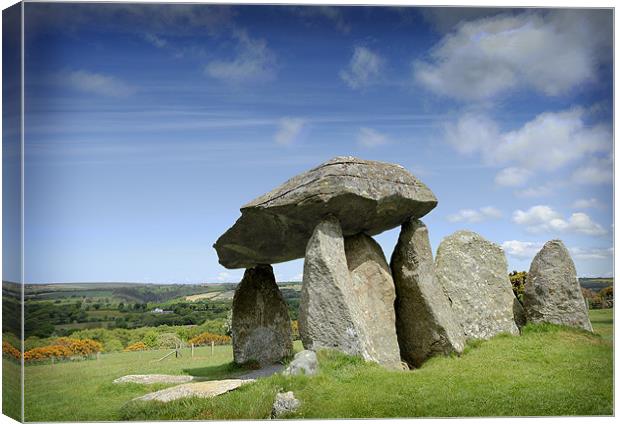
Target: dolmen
(397, 314)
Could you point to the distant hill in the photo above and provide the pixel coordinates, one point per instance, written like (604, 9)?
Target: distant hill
(596, 284)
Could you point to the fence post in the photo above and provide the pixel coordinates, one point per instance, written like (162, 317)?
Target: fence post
(192, 350)
(212, 347)
(52, 360)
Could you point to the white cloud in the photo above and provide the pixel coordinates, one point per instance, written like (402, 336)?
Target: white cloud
(223, 276)
(591, 253)
(528, 249)
(549, 51)
(540, 191)
(367, 137)
(521, 249)
(512, 177)
(475, 215)
(587, 203)
(253, 62)
(549, 141)
(542, 218)
(365, 67)
(596, 171)
(95, 83)
(288, 130)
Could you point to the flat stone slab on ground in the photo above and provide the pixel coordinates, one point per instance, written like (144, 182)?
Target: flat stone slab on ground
(203, 389)
(154, 379)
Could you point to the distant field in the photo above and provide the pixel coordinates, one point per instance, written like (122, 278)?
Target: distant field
(546, 371)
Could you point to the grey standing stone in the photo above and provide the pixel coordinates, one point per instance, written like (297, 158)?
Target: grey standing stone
(285, 403)
(425, 322)
(305, 362)
(552, 290)
(474, 275)
(261, 327)
(374, 291)
(366, 196)
(329, 315)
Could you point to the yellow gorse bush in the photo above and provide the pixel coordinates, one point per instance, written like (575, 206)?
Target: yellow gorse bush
(136, 346)
(207, 338)
(64, 347)
(10, 350)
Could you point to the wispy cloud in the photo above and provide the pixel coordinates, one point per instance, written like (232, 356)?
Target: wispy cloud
(332, 14)
(288, 130)
(97, 83)
(587, 203)
(512, 176)
(253, 62)
(544, 219)
(155, 40)
(475, 215)
(367, 137)
(364, 68)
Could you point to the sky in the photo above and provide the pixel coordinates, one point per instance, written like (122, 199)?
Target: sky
(148, 126)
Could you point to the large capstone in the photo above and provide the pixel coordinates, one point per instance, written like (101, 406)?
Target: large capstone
(329, 314)
(365, 196)
(552, 291)
(261, 327)
(374, 291)
(425, 322)
(474, 274)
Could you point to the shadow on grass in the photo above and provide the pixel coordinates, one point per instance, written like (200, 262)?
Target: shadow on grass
(218, 372)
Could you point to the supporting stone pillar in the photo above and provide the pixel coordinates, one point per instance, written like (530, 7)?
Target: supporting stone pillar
(328, 312)
(374, 290)
(425, 322)
(347, 298)
(261, 327)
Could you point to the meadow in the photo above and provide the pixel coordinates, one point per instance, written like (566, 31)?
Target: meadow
(548, 370)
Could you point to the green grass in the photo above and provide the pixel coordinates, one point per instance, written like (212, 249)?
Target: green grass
(11, 389)
(548, 370)
(83, 390)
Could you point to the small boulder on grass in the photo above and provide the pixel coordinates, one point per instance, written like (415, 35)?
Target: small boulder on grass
(305, 362)
(285, 403)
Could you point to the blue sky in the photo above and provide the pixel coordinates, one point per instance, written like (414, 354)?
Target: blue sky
(148, 126)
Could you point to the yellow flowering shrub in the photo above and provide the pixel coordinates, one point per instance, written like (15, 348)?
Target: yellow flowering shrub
(136, 346)
(10, 350)
(207, 338)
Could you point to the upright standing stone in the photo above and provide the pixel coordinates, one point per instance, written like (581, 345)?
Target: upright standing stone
(374, 289)
(552, 290)
(474, 274)
(425, 322)
(261, 327)
(329, 315)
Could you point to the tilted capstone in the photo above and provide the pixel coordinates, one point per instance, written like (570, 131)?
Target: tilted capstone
(365, 196)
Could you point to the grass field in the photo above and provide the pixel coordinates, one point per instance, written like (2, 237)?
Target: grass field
(548, 370)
